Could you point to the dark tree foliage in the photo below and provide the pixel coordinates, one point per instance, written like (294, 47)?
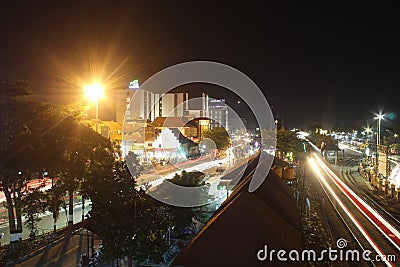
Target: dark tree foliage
(314, 127)
(220, 137)
(317, 139)
(33, 204)
(181, 217)
(37, 137)
(129, 222)
(23, 125)
(287, 141)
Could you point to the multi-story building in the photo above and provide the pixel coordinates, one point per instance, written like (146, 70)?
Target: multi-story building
(218, 113)
(138, 109)
(137, 104)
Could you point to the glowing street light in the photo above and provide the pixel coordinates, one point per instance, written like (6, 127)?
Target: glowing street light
(94, 92)
(368, 131)
(379, 117)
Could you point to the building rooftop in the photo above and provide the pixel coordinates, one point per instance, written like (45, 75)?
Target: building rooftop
(171, 122)
(244, 224)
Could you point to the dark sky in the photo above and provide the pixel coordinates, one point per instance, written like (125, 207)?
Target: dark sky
(316, 61)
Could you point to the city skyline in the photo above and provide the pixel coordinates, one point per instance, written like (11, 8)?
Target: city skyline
(183, 133)
(335, 63)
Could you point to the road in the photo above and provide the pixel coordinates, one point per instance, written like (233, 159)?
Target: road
(348, 216)
(43, 184)
(45, 225)
(153, 183)
(203, 164)
(66, 253)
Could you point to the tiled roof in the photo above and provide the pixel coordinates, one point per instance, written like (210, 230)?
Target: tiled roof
(168, 122)
(248, 221)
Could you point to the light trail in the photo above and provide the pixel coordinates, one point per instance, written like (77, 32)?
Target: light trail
(380, 223)
(320, 176)
(199, 167)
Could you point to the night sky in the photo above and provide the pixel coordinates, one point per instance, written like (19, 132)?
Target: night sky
(316, 61)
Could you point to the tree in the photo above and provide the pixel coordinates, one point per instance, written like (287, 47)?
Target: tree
(55, 199)
(182, 216)
(129, 222)
(287, 141)
(314, 127)
(37, 136)
(220, 137)
(23, 124)
(336, 127)
(33, 204)
(75, 144)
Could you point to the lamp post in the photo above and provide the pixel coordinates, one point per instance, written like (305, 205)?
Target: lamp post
(94, 92)
(97, 115)
(379, 117)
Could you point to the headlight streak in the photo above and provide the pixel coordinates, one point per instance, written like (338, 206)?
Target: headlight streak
(322, 179)
(385, 227)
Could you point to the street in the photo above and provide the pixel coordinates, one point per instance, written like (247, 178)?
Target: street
(45, 225)
(344, 215)
(66, 253)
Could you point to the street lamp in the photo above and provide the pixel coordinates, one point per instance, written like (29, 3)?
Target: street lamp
(94, 92)
(379, 117)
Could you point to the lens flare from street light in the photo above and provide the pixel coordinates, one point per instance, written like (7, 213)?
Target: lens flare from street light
(368, 129)
(94, 91)
(379, 116)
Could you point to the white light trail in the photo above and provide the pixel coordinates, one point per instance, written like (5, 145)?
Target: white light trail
(343, 206)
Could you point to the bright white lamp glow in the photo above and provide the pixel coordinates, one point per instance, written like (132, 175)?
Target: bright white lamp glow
(94, 91)
(379, 117)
